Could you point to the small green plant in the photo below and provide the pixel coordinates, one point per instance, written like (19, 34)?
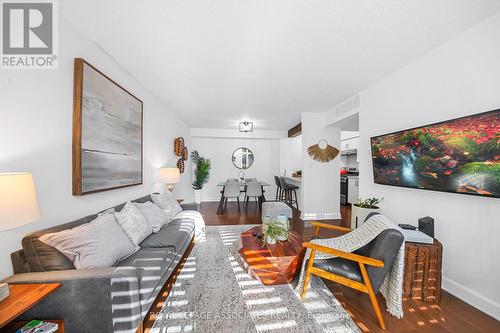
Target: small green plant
(201, 171)
(369, 203)
(274, 231)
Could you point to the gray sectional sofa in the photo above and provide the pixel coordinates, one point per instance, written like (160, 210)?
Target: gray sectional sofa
(114, 299)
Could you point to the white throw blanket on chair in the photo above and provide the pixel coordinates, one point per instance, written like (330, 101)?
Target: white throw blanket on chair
(392, 287)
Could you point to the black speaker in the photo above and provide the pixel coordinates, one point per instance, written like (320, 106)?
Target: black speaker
(426, 225)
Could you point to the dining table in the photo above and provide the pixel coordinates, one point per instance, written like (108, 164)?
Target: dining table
(243, 189)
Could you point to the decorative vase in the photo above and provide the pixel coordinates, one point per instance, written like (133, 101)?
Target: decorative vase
(282, 238)
(270, 240)
(198, 195)
(282, 220)
(358, 215)
(266, 220)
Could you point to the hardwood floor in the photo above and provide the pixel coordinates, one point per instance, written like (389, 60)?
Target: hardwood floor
(449, 315)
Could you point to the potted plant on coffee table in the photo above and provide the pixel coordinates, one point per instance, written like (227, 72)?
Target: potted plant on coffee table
(200, 175)
(274, 232)
(362, 209)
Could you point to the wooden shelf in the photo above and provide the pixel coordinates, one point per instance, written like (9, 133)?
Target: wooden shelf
(23, 297)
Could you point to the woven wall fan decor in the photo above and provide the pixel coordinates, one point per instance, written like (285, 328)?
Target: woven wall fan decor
(180, 165)
(322, 151)
(179, 146)
(185, 154)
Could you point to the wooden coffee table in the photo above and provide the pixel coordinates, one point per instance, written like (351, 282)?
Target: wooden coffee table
(272, 264)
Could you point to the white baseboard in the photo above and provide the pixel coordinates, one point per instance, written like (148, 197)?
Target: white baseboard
(319, 216)
(471, 297)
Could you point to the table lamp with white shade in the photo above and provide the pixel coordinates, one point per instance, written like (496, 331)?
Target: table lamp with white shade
(170, 176)
(18, 205)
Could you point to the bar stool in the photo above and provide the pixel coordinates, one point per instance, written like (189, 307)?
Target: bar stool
(289, 190)
(279, 189)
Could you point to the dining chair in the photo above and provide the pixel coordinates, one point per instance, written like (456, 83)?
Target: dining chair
(231, 191)
(254, 190)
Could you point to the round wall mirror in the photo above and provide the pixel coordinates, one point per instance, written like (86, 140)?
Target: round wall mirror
(243, 158)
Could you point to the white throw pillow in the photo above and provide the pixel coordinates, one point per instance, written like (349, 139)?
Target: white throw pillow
(153, 214)
(168, 204)
(99, 243)
(133, 223)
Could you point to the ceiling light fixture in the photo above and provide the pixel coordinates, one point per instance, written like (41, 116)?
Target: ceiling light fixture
(246, 126)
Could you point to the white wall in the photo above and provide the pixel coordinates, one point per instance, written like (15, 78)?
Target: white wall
(35, 135)
(346, 135)
(320, 181)
(459, 78)
(220, 151)
(290, 155)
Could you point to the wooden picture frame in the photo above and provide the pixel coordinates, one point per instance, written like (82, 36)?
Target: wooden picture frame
(107, 148)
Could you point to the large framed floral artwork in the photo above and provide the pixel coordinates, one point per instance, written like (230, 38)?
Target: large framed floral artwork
(107, 133)
(459, 155)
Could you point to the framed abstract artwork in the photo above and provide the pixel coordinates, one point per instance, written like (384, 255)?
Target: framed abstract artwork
(107, 133)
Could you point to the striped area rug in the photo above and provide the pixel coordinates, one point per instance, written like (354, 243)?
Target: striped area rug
(213, 293)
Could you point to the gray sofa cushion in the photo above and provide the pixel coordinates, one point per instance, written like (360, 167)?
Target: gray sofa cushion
(41, 257)
(152, 265)
(172, 235)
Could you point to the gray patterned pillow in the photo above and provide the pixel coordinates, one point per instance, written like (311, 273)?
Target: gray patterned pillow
(153, 214)
(168, 204)
(133, 223)
(99, 243)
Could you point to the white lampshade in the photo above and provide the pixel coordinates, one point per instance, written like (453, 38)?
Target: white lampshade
(170, 175)
(18, 200)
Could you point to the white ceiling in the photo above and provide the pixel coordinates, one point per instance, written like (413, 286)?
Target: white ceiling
(222, 61)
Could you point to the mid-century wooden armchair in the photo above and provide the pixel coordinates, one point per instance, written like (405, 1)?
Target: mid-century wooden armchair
(350, 269)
